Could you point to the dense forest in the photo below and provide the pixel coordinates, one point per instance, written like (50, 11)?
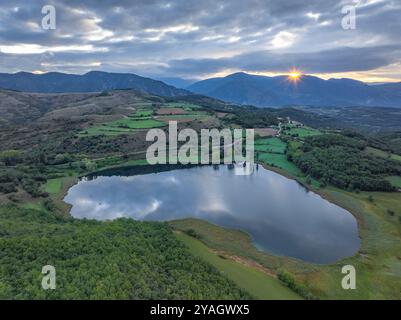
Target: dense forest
(341, 161)
(259, 118)
(392, 141)
(121, 259)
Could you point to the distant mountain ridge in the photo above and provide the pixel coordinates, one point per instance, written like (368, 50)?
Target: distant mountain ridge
(177, 82)
(238, 88)
(94, 81)
(262, 91)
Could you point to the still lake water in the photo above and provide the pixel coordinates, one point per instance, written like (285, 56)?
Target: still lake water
(280, 215)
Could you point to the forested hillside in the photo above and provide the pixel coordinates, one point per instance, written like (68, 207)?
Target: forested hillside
(342, 161)
(122, 259)
(94, 81)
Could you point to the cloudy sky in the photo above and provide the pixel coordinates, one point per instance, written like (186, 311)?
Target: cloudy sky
(196, 39)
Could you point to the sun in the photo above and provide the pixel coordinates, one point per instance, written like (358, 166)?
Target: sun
(294, 75)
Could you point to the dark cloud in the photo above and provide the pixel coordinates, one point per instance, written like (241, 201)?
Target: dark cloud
(192, 38)
(343, 59)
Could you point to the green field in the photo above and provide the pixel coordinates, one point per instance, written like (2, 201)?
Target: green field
(53, 185)
(189, 116)
(38, 205)
(383, 154)
(144, 119)
(122, 126)
(257, 283)
(273, 145)
(185, 106)
(271, 151)
(395, 181)
(143, 113)
(379, 261)
(133, 117)
(396, 157)
(280, 161)
(302, 132)
(136, 124)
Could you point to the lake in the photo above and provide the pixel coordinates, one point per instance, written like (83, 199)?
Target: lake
(280, 215)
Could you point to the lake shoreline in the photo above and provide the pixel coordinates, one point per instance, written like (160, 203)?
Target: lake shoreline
(321, 193)
(318, 278)
(259, 205)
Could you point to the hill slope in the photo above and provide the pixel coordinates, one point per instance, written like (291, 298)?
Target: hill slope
(121, 259)
(94, 81)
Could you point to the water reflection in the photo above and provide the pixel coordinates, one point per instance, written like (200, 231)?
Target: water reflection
(281, 216)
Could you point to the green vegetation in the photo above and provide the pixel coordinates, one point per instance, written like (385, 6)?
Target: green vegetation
(136, 124)
(271, 151)
(258, 118)
(378, 214)
(256, 282)
(395, 181)
(112, 162)
(383, 123)
(143, 113)
(104, 130)
(184, 105)
(123, 126)
(53, 185)
(236, 243)
(123, 259)
(377, 263)
(290, 282)
(280, 161)
(381, 153)
(38, 205)
(127, 259)
(144, 119)
(341, 161)
(391, 141)
(10, 157)
(182, 117)
(270, 145)
(301, 132)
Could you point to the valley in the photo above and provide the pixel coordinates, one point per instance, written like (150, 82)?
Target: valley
(45, 153)
(199, 159)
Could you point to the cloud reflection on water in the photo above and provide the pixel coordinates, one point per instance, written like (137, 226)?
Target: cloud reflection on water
(281, 216)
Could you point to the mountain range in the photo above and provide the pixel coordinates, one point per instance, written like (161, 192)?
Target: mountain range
(262, 91)
(94, 81)
(238, 88)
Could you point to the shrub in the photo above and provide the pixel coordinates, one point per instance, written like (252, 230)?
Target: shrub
(290, 282)
(193, 233)
(390, 212)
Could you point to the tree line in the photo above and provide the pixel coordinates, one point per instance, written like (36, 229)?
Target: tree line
(120, 259)
(341, 161)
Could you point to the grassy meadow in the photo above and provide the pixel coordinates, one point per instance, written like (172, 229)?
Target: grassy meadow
(378, 262)
(146, 117)
(254, 281)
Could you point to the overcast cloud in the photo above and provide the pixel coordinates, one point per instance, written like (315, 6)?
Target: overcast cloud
(203, 38)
